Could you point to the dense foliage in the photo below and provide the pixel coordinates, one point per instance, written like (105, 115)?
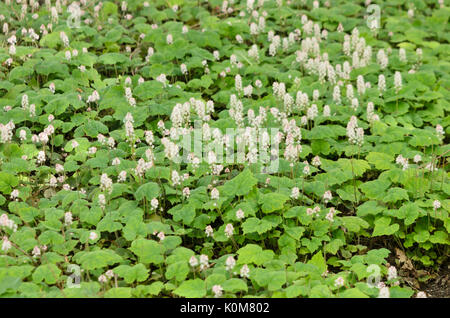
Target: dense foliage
(94, 203)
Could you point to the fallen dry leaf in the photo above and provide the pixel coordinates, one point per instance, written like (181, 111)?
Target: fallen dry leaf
(407, 264)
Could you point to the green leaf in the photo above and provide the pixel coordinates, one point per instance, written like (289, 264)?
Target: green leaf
(254, 224)
(274, 280)
(382, 161)
(48, 272)
(234, 285)
(375, 189)
(354, 223)
(252, 253)
(318, 261)
(7, 182)
(148, 251)
(118, 292)
(383, 227)
(112, 58)
(193, 288)
(396, 194)
(98, 259)
(356, 165)
(132, 273)
(439, 237)
(400, 292)
(91, 216)
(353, 293)
(273, 202)
(148, 190)
(9, 283)
(148, 90)
(134, 227)
(409, 212)
(369, 208)
(421, 236)
(242, 184)
(178, 270)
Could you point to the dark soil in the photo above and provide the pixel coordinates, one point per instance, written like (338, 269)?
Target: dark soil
(438, 287)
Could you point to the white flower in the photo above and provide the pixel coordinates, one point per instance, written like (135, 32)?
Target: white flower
(240, 214)
(326, 111)
(102, 200)
(102, 279)
(193, 261)
(154, 203)
(68, 218)
(93, 236)
(382, 59)
(14, 194)
(245, 271)
(436, 204)
(183, 69)
(417, 158)
(421, 294)
(105, 183)
(40, 157)
(6, 132)
(238, 82)
(316, 161)
(230, 263)
(440, 130)
(330, 214)
(6, 244)
(397, 81)
(122, 176)
(204, 262)
(248, 90)
(92, 150)
(306, 169)
(229, 230)
(109, 273)
(327, 196)
(215, 194)
(392, 273)
(355, 135)
(402, 161)
(161, 236)
(209, 231)
(162, 79)
(115, 162)
(384, 292)
(43, 137)
(186, 192)
(217, 290)
(169, 39)
(339, 282)
(5, 221)
(402, 54)
(36, 251)
(295, 193)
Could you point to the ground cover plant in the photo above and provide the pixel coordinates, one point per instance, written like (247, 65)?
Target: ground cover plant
(118, 120)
